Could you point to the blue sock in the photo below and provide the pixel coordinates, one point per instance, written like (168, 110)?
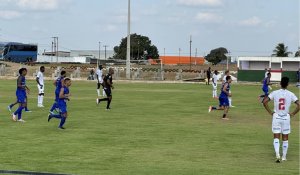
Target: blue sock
(56, 116)
(18, 110)
(26, 109)
(11, 105)
(20, 115)
(214, 108)
(53, 107)
(62, 122)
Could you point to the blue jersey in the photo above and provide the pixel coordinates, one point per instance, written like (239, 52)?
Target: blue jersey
(23, 83)
(66, 91)
(58, 86)
(21, 91)
(265, 83)
(62, 105)
(224, 94)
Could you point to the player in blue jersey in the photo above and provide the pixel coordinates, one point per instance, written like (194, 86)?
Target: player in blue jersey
(58, 83)
(108, 86)
(265, 87)
(21, 92)
(63, 97)
(223, 98)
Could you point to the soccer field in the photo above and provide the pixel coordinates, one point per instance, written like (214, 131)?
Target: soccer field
(153, 129)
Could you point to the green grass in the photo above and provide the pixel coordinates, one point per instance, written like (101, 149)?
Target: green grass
(161, 129)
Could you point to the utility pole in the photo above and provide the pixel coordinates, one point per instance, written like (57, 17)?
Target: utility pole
(105, 46)
(55, 47)
(98, 60)
(179, 56)
(191, 52)
(128, 44)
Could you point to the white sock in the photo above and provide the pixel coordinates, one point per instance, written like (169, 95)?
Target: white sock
(285, 146)
(276, 145)
(98, 91)
(229, 99)
(214, 93)
(41, 99)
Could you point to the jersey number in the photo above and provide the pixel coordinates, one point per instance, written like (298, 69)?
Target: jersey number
(281, 104)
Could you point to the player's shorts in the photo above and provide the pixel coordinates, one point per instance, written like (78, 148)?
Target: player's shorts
(41, 90)
(21, 96)
(62, 105)
(281, 124)
(223, 101)
(99, 85)
(266, 91)
(215, 86)
(108, 92)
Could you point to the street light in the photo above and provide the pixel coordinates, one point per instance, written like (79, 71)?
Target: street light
(98, 60)
(227, 58)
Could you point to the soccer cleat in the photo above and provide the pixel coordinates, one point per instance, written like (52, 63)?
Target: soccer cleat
(14, 117)
(9, 108)
(232, 106)
(28, 110)
(209, 109)
(49, 117)
(283, 159)
(21, 120)
(61, 127)
(225, 118)
(41, 106)
(108, 109)
(278, 160)
(97, 101)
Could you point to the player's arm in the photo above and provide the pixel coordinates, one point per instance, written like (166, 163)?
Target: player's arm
(266, 105)
(54, 82)
(213, 80)
(20, 83)
(62, 95)
(97, 77)
(109, 83)
(38, 82)
(296, 110)
(225, 90)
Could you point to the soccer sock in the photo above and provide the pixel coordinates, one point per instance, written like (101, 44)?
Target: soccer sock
(26, 109)
(11, 105)
(224, 115)
(18, 110)
(108, 104)
(39, 99)
(98, 91)
(276, 146)
(229, 99)
(103, 99)
(20, 115)
(285, 146)
(58, 116)
(62, 122)
(42, 99)
(214, 108)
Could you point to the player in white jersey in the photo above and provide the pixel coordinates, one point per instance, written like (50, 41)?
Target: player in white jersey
(40, 85)
(227, 73)
(281, 116)
(99, 75)
(215, 83)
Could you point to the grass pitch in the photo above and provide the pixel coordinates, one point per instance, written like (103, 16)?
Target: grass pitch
(159, 129)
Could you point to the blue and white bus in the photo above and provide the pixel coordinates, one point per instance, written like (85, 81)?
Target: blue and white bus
(18, 52)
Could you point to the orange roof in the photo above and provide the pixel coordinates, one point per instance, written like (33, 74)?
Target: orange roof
(180, 60)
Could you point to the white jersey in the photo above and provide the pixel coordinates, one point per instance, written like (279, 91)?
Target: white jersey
(282, 101)
(215, 78)
(99, 73)
(40, 75)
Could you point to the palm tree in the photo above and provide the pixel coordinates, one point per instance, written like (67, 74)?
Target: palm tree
(281, 51)
(297, 54)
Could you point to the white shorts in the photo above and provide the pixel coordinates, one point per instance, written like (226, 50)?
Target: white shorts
(215, 86)
(41, 90)
(281, 124)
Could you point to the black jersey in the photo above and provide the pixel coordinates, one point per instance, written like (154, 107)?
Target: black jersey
(107, 78)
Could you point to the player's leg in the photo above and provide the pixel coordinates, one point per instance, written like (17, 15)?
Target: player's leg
(22, 101)
(107, 92)
(12, 105)
(286, 130)
(109, 96)
(63, 120)
(276, 129)
(26, 104)
(226, 108)
(98, 89)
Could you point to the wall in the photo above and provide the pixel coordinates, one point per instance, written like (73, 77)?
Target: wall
(258, 75)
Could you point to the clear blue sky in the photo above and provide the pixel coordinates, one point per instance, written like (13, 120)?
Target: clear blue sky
(245, 27)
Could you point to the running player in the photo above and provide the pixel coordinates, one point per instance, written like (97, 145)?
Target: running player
(281, 116)
(215, 83)
(99, 75)
(64, 95)
(223, 98)
(108, 86)
(58, 83)
(265, 87)
(21, 92)
(40, 85)
(227, 73)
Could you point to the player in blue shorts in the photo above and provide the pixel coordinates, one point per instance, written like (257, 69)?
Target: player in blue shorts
(64, 95)
(21, 92)
(223, 98)
(58, 83)
(265, 87)
(108, 86)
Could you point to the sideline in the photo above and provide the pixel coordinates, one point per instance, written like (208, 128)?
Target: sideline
(27, 172)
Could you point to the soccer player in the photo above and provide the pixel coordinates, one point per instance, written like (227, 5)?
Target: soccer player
(223, 98)
(58, 83)
(108, 86)
(227, 73)
(208, 72)
(99, 75)
(64, 95)
(281, 116)
(215, 83)
(40, 85)
(21, 92)
(265, 87)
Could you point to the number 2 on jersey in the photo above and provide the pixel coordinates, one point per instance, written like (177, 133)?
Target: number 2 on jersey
(282, 104)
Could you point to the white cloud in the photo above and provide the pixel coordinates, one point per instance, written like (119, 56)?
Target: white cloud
(10, 14)
(110, 28)
(41, 4)
(208, 17)
(200, 2)
(253, 21)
